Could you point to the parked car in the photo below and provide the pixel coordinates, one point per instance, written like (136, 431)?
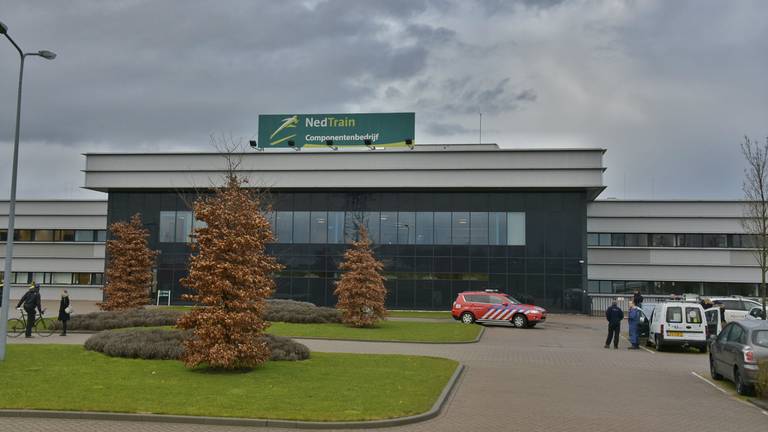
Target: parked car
(490, 306)
(737, 351)
(736, 308)
(678, 323)
(756, 313)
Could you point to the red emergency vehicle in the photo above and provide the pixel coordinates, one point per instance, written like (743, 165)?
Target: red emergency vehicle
(492, 306)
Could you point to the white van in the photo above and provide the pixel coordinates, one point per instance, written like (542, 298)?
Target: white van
(736, 308)
(678, 323)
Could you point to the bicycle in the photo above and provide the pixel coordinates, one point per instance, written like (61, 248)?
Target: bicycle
(17, 326)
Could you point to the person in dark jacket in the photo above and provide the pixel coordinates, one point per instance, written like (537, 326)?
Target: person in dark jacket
(31, 302)
(64, 311)
(637, 299)
(614, 315)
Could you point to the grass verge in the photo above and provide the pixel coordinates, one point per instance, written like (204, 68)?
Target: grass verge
(406, 331)
(421, 314)
(327, 387)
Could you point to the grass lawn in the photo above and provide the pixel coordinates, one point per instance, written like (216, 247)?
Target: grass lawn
(421, 314)
(327, 387)
(409, 331)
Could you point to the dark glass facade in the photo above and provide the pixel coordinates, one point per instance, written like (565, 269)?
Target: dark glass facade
(443, 242)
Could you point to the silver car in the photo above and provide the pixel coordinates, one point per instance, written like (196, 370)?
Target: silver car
(737, 352)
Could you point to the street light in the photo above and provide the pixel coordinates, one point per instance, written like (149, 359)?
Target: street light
(48, 55)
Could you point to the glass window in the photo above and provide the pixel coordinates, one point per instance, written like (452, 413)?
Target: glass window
(593, 286)
(425, 228)
(478, 226)
(373, 223)
(84, 235)
(735, 334)
(39, 277)
(3, 235)
(44, 235)
(352, 220)
(406, 228)
(61, 278)
(98, 279)
(635, 240)
(389, 227)
(167, 227)
(516, 229)
(319, 228)
(689, 240)
(301, 227)
(20, 277)
(497, 222)
(284, 223)
(760, 337)
(183, 226)
(22, 235)
(675, 314)
(605, 239)
(715, 240)
(81, 279)
(335, 227)
(617, 239)
(101, 235)
(693, 315)
(663, 240)
(593, 239)
(460, 228)
(442, 228)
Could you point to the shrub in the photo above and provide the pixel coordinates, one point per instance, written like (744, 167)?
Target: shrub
(762, 380)
(106, 320)
(166, 344)
(300, 312)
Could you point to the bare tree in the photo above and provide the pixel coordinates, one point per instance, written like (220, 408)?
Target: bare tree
(755, 220)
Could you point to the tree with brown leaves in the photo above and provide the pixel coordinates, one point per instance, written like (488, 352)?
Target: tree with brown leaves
(231, 276)
(361, 289)
(129, 266)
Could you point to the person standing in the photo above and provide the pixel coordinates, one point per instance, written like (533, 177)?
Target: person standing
(31, 302)
(614, 315)
(64, 311)
(634, 324)
(637, 298)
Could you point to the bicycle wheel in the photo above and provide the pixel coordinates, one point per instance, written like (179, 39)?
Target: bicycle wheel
(43, 328)
(16, 327)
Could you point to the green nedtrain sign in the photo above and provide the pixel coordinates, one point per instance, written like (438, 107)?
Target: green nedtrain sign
(343, 130)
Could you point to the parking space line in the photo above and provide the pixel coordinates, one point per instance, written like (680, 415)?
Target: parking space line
(641, 347)
(729, 394)
(710, 383)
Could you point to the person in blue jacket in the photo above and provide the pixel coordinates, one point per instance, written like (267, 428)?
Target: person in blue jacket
(614, 315)
(634, 324)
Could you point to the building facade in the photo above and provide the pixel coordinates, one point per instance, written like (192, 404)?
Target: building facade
(58, 244)
(444, 219)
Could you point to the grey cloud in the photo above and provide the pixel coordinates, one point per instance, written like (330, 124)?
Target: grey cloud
(448, 129)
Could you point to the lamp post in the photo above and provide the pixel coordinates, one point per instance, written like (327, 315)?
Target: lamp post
(48, 55)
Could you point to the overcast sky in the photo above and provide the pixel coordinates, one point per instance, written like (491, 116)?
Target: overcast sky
(669, 88)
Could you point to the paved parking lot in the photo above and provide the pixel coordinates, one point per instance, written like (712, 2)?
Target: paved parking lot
(554, 378)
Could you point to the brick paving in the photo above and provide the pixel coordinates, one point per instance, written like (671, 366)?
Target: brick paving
(554, 378)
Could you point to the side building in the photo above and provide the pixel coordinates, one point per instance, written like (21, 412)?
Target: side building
(58, 244)
(444, 218)
(670, 247)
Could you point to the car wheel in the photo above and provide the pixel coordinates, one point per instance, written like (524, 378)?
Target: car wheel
(741, 387)
(467, 318)
(712, 371)
(519, 321)
(659, 343)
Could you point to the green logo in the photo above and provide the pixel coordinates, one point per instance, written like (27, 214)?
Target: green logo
(288, 123)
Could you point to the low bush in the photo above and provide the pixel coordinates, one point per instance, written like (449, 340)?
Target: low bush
(762, 380)
(277, 310)
(300, 312)
(166, 344)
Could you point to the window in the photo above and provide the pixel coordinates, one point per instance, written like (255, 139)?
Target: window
(593, 239)
(424, 228)
(373, 223)
(689, 240)
(760, 337)
(61, 278)
(635, 240)
(183, 226)
(98, 278)
(22, 235)
(335, 227)
(301, 227)
(101, 236)
(675, 314)
(693, 315)
(478, 228)
(442, 228)
(516, 229)
(406, 228)
(605, 239)
(84, 235)
(20, 277)
(284, 226)
(319, 227)
(3, 235)
(389, 227)
(44, 235)
(497, 222)
(736, 334)
(81, 278)
(617, 239)
(167, 227)
(662, 240)
(460, 228)
(715, 240)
